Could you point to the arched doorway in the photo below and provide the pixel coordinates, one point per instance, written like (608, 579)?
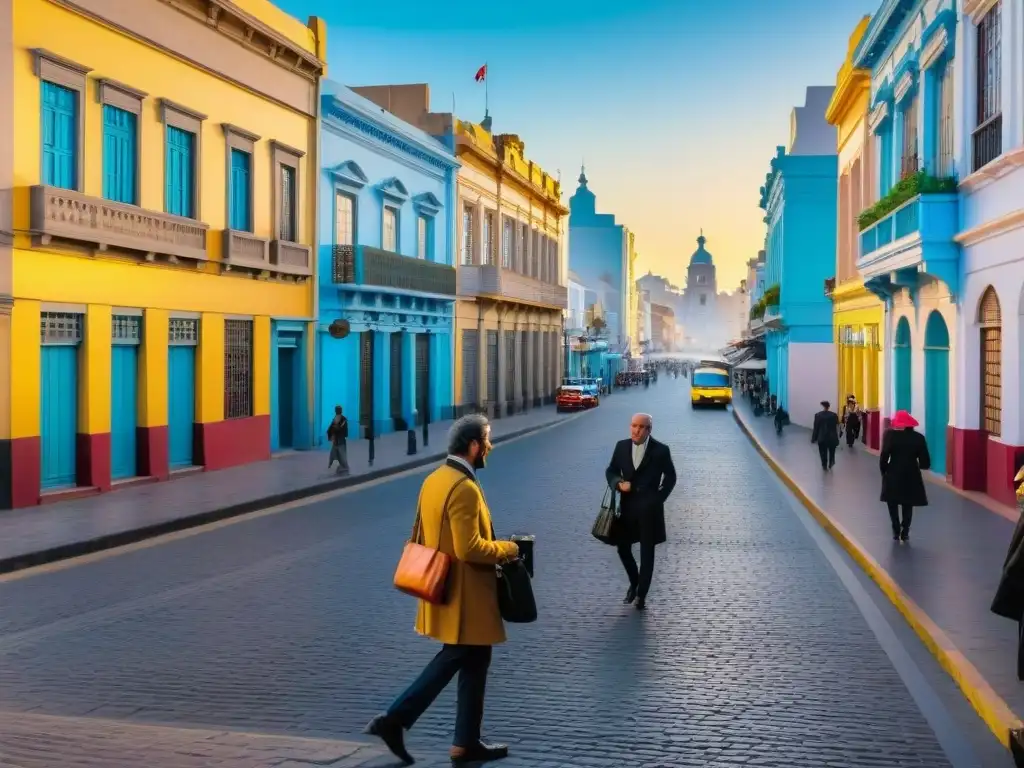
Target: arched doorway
(901, 365)
(936, 388)
(990, 319)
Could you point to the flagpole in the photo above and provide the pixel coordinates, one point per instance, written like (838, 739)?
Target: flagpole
(487, 79)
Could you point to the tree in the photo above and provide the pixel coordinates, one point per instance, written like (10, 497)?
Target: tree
(598, 324)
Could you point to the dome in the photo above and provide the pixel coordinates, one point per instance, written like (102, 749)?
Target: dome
(700, 256)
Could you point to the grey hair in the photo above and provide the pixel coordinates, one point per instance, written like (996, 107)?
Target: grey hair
(464, 431)
(648, 418)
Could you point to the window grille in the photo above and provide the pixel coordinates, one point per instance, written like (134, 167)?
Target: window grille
(990, 320)
(60, 328)
(521, 245)
(909, 162)
(237, 369)
(467, 235)
(487, 257)
(421, 237)
(944, 165)
(183, 331)
(126, 329)
(506, 244)
(287, 227)
(987, 138)
(344, 227)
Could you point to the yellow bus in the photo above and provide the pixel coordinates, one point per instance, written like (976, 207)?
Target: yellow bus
(710, 386)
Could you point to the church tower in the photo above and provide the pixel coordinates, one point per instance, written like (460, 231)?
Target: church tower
(700, 316)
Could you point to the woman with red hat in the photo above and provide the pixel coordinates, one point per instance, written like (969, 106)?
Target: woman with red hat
(904, 457)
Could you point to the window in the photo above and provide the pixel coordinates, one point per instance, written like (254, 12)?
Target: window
(183, 130)
(422, 237)
(241, 145)
(119, 155)
(467, 235)
(908, 160)
(701, 279)
(389, 238)
(487, 257)
(62, 119)
(344, 221)
(506, 244)
(521, 245)
(179, 173)
(987, 139)
(944, 144)
(991, 322)
(286, 191)
(237, 369)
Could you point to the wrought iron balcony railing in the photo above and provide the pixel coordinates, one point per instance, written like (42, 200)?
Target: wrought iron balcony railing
(987, 142)
(364, 265)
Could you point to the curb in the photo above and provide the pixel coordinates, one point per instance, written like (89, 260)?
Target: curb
(134, 536)
(996, 713)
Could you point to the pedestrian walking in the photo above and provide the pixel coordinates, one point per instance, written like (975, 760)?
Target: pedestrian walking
(337, 433)
(850, 421)
(455, 520)
(1009, 599)
(825, 432)
(903, 458)
(641, 470)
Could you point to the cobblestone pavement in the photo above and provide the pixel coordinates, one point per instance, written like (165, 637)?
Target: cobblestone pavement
(752, 651)
(67, 524)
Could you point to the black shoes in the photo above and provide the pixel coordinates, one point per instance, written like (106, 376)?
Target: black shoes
(641, 604)
(392, 734)
(479, 753)
(905, 535)
(630, 596)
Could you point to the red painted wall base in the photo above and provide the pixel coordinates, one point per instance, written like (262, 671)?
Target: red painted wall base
(968, 456)
(1001, 464)
(229, 443)
(153, 452)
(92, 460)
(873, 430)
(25, 472)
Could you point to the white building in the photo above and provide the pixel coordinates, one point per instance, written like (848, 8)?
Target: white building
(987, 444)
(576, 312)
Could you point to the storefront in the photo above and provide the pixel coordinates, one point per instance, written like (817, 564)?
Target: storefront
(858, 318)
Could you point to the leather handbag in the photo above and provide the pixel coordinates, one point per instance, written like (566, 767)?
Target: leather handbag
(423, 572)
(606, 526)
(516, 602)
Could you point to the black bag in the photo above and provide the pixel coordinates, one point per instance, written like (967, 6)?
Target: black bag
(515, 593)
(606, 526)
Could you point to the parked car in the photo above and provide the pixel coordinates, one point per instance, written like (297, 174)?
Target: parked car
(573, 397)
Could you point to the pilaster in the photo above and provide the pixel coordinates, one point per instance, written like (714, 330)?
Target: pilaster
(409, 411)
(518, 394)
(382, 421)
(481, 357)
(531, 380)
(500, 408)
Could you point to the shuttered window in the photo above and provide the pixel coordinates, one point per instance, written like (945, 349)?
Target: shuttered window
(60, 136)
(287, 224)
(390, 235)
(180, 172)
(240, 208)
(422, 239)
(990, 319)
(120, 155)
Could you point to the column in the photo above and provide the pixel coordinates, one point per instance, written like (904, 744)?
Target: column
(481, 360)
(25, 382)
(501, 407)
(153, 395)
(409, 394)
(441, 382)
(518, 393)
(262, 348)
(209, 383)
(382, 421)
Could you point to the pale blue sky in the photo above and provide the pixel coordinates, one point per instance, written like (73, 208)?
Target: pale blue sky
(676, 105)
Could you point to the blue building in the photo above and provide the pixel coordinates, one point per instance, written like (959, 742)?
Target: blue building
(799, 199)
(599, 254)
(386, 274)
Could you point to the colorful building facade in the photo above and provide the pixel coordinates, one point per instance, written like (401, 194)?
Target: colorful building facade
(908, 255)
(386, 278)
(163, 211)
(858, 315)
(799, 200)
(986, 445)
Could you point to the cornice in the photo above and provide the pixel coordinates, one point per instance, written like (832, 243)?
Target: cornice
(997, 169)
(854, 83)
(501, 172)
(879, 34)
(993, 228)
(976, 9)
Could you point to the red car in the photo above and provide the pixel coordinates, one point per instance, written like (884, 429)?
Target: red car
(571, 398)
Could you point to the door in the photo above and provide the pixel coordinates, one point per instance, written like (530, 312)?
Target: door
(492, 368)
(422, 377)
(365, 381)
(470, 370)
(901, 364)
(59, 415)
(286, 397)
(396, 378)
(181, 404)
(124, 376)
(936, 389)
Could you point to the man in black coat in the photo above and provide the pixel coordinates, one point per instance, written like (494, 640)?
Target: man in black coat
(825, 433)
(642, 471)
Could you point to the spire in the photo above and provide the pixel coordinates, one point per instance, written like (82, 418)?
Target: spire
(583, 175)
(701, 240)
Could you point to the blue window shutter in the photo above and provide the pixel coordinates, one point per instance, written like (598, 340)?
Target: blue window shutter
(60, 136)
(119, 155)
(179, 172)
(241, 168)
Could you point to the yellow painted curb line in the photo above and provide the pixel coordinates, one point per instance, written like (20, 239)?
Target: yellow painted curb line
(996, 713)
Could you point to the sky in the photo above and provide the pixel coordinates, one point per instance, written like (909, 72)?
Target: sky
(675, 106)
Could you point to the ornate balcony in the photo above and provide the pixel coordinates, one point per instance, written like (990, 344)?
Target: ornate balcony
(363, 265)
(291, 258)
(70, 216)
(494, 282)
(913, 239)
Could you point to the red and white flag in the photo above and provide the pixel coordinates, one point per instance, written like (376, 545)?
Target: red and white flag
(481, 74)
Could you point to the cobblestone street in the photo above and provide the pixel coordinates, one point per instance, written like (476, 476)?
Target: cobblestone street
(273, 633)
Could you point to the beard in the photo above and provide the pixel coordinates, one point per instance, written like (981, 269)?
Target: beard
(480, 461)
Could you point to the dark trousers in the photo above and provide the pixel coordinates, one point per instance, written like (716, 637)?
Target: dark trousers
(639, 578)
(894, 516)
(851, 438)
(828, 455)
(471, 662)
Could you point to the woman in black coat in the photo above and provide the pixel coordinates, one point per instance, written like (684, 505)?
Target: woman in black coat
(1009, 599)
(904, 457)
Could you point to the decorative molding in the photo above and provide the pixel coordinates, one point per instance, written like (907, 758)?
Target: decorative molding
(120, 95)
(394, 190)
(976, 9)
(68, 74)
(939, 39)
(349, 175)
(337, 112)
(185, 119)
(278, 146)
(992, 228)
(878, 118)
(234, 130)
(904, 87)
(173, 113)
(1004, 164)
(427, 203)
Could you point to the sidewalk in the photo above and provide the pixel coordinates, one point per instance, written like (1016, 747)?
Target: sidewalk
(942, 582)
(38, 535)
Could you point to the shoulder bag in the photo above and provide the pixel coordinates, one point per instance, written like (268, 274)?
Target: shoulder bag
(423, 572)
(606, 526)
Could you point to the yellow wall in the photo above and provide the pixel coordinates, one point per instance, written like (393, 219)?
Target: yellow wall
(859, 368)
(25, 366)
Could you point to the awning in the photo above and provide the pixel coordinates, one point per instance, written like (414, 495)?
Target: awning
(739, 355)
(752, 365)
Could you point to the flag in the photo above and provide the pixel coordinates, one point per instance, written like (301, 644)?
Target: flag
(481, 74)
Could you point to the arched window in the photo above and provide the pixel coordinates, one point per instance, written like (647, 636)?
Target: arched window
(991, 321)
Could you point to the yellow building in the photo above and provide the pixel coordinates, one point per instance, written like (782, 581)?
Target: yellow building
(857, 314)
(159, 258)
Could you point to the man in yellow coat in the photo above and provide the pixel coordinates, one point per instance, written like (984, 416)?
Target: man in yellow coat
(455, 520)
